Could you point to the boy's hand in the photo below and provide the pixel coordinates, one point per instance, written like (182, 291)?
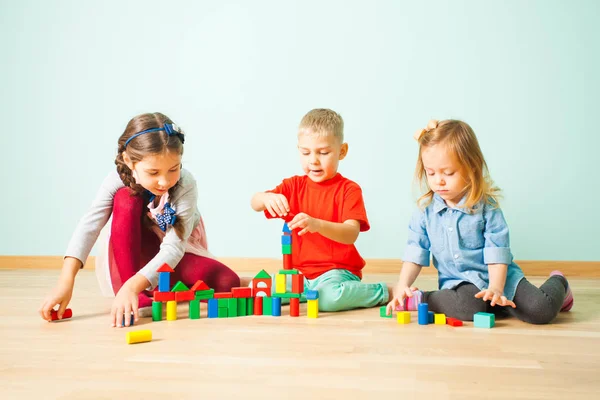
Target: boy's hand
(60, 295)
(306, 223)
(400, 293)
(276, 204)
(495, 296)
(126, 302)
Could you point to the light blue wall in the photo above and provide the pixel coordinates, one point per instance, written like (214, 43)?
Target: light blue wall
(238, 77)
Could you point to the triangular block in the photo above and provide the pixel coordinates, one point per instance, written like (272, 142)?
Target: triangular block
(165, 268)
(199, 285)
(179, 287)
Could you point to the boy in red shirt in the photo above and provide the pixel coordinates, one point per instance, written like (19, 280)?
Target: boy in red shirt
(325, 212)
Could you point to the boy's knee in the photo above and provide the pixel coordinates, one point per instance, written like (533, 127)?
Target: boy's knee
(537, 311)
(330, 298)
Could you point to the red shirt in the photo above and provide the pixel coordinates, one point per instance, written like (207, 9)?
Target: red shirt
(335, 200)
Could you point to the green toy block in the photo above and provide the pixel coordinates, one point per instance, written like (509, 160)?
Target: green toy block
(242, 306)
(263, 275)
(194, 309)
(250, 306)
(286, 249)
(267, 305)
(222, 312)
(288, 271)
(179, 287)
(205, 294)
(382, 312)
(233, 307)
(223, 302)
(484, 320)
(157, 311)
(287, 295)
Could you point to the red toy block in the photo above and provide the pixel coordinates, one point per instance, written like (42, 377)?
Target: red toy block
(294, 307)
(164, 296)
(287, 261)
(298, 283)
(454, 322)
(239, 292)
(199, 286)
(187, 295)
(258, 306)
(165, 268)
(222, 295)
(54, 314)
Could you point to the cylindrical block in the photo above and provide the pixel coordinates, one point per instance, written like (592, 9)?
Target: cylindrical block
(258, 306)
(294, 307)
(139, 336)
(171, 310)
(157, 311)
(423, 314)
(276, 308)
(67, 314)
(287, 261)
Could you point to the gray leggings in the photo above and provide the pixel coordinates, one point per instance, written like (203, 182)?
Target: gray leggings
(534, 305)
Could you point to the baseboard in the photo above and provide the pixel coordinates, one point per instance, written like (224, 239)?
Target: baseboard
(588, 269)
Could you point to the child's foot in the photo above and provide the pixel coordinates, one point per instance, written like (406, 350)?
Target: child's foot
(568, 302)
(411, 303)
(144, 305)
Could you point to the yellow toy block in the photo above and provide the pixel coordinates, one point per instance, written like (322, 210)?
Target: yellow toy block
(440, 319)
(139, 336)
(403, 317)
(171, 310)
(313, 308)
(280, 283)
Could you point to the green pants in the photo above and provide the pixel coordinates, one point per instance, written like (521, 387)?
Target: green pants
(340, 289)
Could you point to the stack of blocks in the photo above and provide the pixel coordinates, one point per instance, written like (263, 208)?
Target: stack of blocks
(286, 246)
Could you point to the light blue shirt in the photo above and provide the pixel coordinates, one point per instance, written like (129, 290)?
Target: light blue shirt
(462, 244)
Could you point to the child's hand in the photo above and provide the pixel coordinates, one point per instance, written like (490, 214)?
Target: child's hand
(60, 295)
(495, 296)
(126, 302)
(400, 293)
(276, 204)
(306, 223)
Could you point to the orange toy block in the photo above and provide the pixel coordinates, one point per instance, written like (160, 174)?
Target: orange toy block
(164, 296)
(199, 285)
(454, 322)
(240, 292)
(222, 295)
(287, 261)
(298, 283)
(294, 307)
(187, 295)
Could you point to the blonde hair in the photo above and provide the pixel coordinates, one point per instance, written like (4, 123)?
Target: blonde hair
(460, 140)
(322, 122)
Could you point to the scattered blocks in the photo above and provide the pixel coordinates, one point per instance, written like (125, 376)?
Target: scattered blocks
(454, 322)
(138, 336)
(67, 314)
(383, 312)
(440, 319)
(403, 317)
(171, 310)
(423, 315)
(484, 320)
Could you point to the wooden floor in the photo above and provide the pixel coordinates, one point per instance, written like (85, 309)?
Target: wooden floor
(348, 355)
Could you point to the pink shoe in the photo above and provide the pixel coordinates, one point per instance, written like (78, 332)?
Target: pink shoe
(568, 302)
(411, 303)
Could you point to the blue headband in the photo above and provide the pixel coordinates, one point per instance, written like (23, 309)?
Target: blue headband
(170, 129)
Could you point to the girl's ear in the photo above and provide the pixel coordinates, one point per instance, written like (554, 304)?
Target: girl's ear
(127, 160)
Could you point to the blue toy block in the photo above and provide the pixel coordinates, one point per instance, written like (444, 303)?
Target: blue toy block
(276, 308)
(312, 294)
(484, 320)
(423, 314)
(286, 228)
(164, 281)
(286, 239)
(430, 316)
(213, 308)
